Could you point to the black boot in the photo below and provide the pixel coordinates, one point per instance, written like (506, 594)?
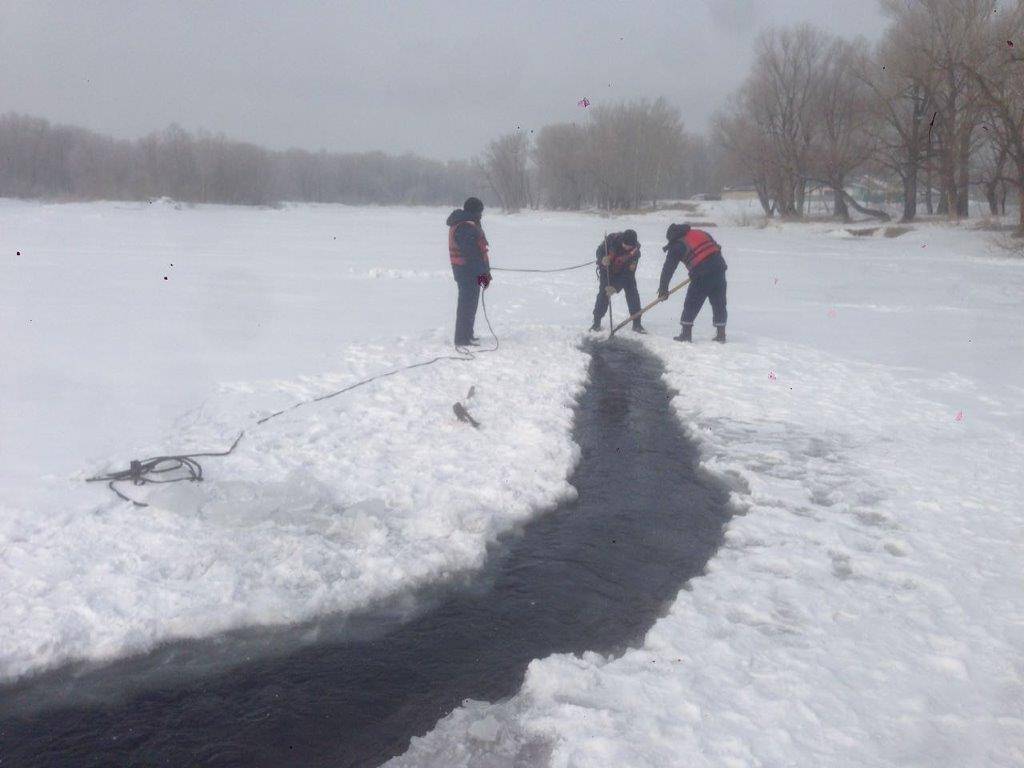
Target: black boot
(596, 326)
(685, 334)
(637, 328)
(720, 334)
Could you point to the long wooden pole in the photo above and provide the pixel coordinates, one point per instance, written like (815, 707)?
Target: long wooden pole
(608, 284)
(657, 301)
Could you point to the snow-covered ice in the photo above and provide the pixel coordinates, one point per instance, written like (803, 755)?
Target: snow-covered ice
(326, 508)
(867, 608)
(868, 414)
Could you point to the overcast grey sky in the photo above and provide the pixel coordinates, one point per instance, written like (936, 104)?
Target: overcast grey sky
(438, 78)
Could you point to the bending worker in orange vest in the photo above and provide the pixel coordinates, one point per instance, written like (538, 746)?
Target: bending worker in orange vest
(703, 259)
(467, 250)
(617, 258)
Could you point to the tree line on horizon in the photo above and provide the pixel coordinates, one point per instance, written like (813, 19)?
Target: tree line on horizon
(42, 160)
(627, 154)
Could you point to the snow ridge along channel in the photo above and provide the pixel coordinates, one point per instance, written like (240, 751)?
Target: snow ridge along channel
(332, 507)
(863, 611)
(592, 575)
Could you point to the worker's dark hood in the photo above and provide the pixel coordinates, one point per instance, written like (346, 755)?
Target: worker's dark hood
(458, 216)
(674, 232)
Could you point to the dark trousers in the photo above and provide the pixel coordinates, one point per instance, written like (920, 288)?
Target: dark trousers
(624, 280)
(711, 286)
(465, 312)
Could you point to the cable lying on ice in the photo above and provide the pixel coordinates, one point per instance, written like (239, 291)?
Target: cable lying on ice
(176, 468)
(470, 353)
(559, 269)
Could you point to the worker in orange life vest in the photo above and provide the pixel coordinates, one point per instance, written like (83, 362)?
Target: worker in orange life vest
(703, 259)
(467, 251)
(617, 259)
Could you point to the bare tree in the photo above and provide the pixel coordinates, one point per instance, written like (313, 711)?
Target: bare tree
(989, 167)
(629, 153)
(999, 76)
(779, 98)
(947, 37)
(747, 153)
(633, 147)
(901, 106)
(504, 164)
(845, 140)
(562, 161)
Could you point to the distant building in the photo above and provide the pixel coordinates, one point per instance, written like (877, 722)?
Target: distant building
(874, 190)
(739, 192)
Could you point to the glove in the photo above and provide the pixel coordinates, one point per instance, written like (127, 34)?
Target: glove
(662, 294)
(483, 280)
(610, 291)
(606, 261)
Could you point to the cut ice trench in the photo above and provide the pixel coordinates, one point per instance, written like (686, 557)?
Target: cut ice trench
(591, 575)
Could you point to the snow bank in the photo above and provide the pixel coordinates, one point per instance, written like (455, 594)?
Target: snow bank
(326, 508)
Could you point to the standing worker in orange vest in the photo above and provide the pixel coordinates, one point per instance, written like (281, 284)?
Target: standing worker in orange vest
(467, 249)
(703, 259)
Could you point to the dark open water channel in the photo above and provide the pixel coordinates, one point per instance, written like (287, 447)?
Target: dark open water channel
(593, 574)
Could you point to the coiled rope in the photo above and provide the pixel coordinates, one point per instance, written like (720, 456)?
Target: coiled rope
(152, 470)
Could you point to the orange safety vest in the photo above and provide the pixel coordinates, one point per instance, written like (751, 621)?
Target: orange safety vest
(455, 254)
(701, 246)
(622, 259)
